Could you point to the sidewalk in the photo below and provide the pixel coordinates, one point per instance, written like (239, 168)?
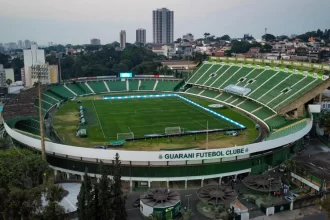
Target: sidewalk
(295, 214)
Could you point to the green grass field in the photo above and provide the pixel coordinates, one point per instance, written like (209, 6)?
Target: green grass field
(106, 118)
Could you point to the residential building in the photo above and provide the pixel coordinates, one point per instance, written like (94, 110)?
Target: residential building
(9, 74)
(27, 44)
(2, 76)
(189, 37)
(163, 26)
(141, 36)
(2, 49)
(122, 36)
(95, 41)
(33, 56)
(12, 46)
(20, 44)
(52, 75)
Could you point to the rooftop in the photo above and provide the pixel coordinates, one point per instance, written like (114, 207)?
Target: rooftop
(317, 165)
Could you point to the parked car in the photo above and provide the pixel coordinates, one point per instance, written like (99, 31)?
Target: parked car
(136, 203)
(99, 147)
(289, 198)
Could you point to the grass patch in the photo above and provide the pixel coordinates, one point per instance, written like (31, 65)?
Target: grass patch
(149, 116)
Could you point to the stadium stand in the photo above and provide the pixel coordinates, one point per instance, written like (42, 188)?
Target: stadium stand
(30, 125)
(98, 87)
(61, 91)
(287, 130)
(164, 85)
(133, 85)
(147, 85)
(117, 85)
(273, 89)
(249, 106)
(76, 88)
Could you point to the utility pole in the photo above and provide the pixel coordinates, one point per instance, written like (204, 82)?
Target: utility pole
(188, 197)
(40, 72)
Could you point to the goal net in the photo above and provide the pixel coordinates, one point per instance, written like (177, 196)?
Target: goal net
(124, 136)
(172, 130)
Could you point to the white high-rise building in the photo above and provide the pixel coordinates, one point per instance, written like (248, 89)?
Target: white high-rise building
(163, 26)
(122, 36)
(141, 36)
(33, 56)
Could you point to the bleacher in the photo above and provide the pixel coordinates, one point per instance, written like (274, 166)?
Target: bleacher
(165, 85)
(98, 87)
(61, 91)
(290, 129)
(274, 89)
(76, 89)
(117, 85)
(30, 125)
(133, 85)
(249, 106)
(147, 85)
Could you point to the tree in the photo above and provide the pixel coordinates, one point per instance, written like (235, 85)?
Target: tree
(85, 208)
(4, 144)
(119, 210)
(9, 82)
(155, 216)
(325, 204)
(179, 40)
(186, 214)
(268, 37)
(53, 210)
(105, 194)
(266, 48)
(225, 37)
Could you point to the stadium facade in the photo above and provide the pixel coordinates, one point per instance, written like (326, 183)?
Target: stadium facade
(145, 168)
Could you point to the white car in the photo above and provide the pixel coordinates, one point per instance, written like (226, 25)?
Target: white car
(288, 198)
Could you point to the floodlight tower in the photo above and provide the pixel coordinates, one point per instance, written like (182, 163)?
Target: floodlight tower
(40, 72)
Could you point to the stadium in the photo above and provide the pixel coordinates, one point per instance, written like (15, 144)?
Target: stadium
(233, 116)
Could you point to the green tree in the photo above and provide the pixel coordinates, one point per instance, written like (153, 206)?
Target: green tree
(53, 210)
(9, 82)
(325, 204)
(268, 37)
(155, 216)
(85, 208)
(105, 194)
(118, 205)
(225, 37)
(4, 144)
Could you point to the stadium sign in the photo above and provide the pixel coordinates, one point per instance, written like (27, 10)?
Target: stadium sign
(204, 155)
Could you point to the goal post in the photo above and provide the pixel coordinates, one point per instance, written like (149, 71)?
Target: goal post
(125, 136)
(172, 130)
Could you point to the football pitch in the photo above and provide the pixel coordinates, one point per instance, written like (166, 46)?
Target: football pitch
(146, 117)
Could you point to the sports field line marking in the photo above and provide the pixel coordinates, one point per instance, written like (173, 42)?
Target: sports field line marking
(205, 113)
(98, 119)
(129, 129)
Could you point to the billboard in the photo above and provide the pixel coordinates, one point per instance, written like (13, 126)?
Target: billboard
(125, 75)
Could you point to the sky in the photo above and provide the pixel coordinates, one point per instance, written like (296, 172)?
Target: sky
(78, 21)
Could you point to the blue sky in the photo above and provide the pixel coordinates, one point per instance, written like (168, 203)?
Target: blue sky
(77, 21)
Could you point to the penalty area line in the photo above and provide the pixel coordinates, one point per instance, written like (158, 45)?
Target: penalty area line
(98, 119)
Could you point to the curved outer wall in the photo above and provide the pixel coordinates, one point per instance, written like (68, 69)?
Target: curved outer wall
(159, 166)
